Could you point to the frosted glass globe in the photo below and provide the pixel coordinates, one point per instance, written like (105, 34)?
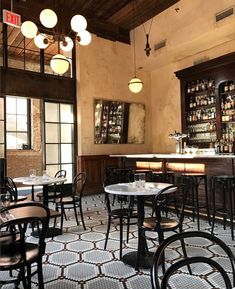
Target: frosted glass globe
(78, 23)
(135, 85)
(59, 64)
(41, 41)
(48, 18)
(85, 37)
(29, 29)
(67, 44)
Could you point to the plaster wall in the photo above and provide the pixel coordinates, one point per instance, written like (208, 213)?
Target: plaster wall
(192, 36)
(104, 69)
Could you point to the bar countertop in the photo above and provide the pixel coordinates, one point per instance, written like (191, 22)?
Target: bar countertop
(177, 156)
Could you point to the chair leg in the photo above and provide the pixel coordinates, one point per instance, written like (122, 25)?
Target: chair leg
(127, 230)
(22, 277)
(213, 208)
(29, 277)
(197, 205)
(231, 210)
(75, 213)
(107, 233)
(40, 275)
(62, 217)
(81, 214)
(121, 237)
(207, 202)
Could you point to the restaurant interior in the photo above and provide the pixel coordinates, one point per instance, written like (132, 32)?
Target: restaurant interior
(117, 144)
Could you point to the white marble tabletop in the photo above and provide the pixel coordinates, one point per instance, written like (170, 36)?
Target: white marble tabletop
(149, 189)
(38, 180)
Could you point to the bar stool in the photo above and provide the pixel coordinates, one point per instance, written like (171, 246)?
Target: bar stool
(192, 182)
(227, 184)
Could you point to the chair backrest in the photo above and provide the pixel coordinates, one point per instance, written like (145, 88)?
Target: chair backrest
(119, 175)
(189, 260)
(11, 188)
(61, 174)
(78, 184)
(20, 216)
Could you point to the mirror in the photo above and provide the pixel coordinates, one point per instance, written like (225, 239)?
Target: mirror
(118, 122)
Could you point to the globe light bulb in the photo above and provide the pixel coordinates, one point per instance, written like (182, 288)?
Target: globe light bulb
(84, 37)
(59, 64)
(48, 18)
(135, 85)
(41, 41)
(29, 29)
(67, 44)
(78, 23)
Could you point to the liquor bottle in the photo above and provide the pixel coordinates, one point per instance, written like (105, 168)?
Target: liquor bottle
(217, 147)
(197, 86)
(226, 87)
(192, 87)
(231, 86)
(189, 88)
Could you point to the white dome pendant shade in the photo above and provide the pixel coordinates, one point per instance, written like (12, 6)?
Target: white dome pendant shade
(59, 64)
(84, 37)
(67, 44)
(48, 18)
(135, 85)
(29, 29)
(78, 23)
(41, 41)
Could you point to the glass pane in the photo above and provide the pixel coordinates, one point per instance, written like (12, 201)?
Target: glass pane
(52, 153)
(1, 151)
(66, 133)
(66, 153)
(69, 170)
(11, 140)
(52, 170)
(51, 112)
(52, 133)
(21, 138)
(22, 106)
(1, 131)
(1, 108)
(11, 122)
(66, 113)
(21, 123)
(11, 105)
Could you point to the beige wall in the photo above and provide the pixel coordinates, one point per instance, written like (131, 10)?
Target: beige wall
(191, 36)
(104, 69)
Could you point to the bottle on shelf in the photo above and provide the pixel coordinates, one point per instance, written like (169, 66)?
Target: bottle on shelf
(226, 87)
(217, 147)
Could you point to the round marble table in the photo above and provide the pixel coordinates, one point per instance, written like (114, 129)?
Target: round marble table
(139, 258)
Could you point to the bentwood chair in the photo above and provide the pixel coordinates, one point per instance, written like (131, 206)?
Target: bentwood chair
(74, 199)
(11, 188)
(54, 191)
(18, 254)
(124, 211)
(176, 266)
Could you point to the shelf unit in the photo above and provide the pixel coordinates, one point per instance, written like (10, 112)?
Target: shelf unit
(208, 102)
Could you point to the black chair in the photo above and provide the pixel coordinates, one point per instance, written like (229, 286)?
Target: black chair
(11, 188)
(54, 191)
(17, 253)
(159, 223)
(123, 210)
(74, 199)
(155, 276)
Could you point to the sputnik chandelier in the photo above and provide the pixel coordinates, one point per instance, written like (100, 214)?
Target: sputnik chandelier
(48, 18)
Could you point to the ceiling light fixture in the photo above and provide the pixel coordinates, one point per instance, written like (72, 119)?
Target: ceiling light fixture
(135, 84)
(48, 18)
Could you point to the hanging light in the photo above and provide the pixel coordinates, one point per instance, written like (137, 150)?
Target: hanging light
(66, 44)
(41, 41)
(29, 29)
(59, 64)
(78, 23)
(84, 37)
(48, 18)
(135, 85)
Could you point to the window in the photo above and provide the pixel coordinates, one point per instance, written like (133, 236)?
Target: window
(17, 123)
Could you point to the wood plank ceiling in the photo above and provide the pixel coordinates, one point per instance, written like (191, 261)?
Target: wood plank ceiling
(110, 19)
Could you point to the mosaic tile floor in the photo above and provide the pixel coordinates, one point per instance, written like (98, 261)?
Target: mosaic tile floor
(76, 258)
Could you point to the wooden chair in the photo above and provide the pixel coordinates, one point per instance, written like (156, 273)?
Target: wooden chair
(155, 280)
(11, 188)
(17, 253)
(74, 199)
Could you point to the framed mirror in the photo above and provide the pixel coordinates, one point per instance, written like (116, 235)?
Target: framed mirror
(118, 122)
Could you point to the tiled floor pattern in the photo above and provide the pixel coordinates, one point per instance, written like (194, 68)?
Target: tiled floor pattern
(76, 258)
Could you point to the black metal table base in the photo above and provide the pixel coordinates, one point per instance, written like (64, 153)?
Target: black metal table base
(145, 261)
(51, 232)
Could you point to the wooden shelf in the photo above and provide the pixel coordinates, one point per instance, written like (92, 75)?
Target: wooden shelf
(200, 132)
(201, 121)
(202, 107)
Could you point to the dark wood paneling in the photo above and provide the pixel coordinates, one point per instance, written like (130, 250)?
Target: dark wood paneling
(36, 85)
(95, 166)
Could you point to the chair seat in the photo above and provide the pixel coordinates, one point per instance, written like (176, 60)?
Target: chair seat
(13, 257)
(7, 238)
(166, 223)
(21, 198)
(49, 194)
(67, 200)
(124, 213)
